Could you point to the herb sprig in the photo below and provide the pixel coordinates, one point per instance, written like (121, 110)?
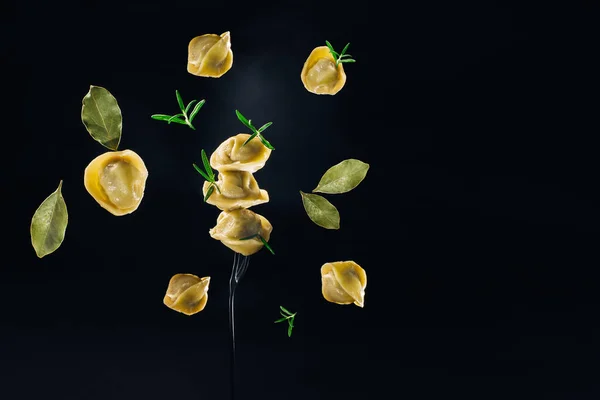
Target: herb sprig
(183, 117)
(289, 317)
(339, 57)
(207, 174)
(255, 132)
(262, 239)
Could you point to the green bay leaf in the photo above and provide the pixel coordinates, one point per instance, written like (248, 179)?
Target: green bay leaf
(49, 223)
(101, 116)
(342, 177)
(321, 211)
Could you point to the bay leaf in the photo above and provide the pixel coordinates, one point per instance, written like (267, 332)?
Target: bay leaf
(321, 211)
(342, 177)
(101, 115)
(49, 223)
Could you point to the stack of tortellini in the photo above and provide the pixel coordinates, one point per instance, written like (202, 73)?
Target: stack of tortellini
(238, 191)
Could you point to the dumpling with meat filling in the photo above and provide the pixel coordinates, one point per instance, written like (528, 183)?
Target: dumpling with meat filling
(210, 55)
(117, 180)
(320, 75)
(344, 282)
(187, 293)
(233, 155)
(237, 189)
(239, 224)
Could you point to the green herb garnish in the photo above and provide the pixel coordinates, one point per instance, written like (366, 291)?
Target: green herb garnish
(183, 117)
(255, 132)
(208, 174)
(262, 239)
(287, 316)
(339, 57)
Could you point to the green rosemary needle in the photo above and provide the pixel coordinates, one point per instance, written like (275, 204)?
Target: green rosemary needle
(183, 117)
(255, 132)
(262, 239)
(339, 57)
(207, 174)
(287, 315)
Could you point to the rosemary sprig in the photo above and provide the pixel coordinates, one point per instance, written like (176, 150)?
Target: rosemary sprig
(207, 174)
(183, 117)
(339, 57)
(262, 239)
(255, 132)
(287, 316)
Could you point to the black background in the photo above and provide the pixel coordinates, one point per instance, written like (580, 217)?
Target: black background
(477, 223)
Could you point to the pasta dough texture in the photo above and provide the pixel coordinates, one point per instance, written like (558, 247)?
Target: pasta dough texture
(233, 155)
(210, 55)
(344, 282)
(320, 75)
(187, 293)
(236, 189)
(117, 180)
(239, 228)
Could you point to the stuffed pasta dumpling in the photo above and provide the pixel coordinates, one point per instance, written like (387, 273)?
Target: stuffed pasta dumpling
(117, 180)
(237, 189)
(210, 55)
(344, 282)
(320, 74)
(239, 224)
(233, 155)
(187, 293)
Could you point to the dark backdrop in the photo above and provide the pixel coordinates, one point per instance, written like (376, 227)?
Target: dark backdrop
(477, 223)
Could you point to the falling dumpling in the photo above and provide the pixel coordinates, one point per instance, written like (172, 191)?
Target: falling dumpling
(233, 155)
(237, 189)
(187, 293)
(344, 282)
(210, 55)
(117, 180)
(320, 75)
(238, 224)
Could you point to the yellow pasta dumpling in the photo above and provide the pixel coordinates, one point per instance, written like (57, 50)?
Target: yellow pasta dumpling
(210, 55)
(237, 189)
(117, 180)
(344, 282)
(233, 155)
(187, 293)
(320, 74)
(241, 223)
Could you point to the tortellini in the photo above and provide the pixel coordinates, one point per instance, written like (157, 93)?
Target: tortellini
(187, 293)
(238, 228)
(233, 155)
(344, 282)
(237, 189)
(320, 75)
(239, 224)
(117, 180)
(210, 55)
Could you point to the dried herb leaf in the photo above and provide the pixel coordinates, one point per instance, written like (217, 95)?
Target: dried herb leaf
(342, 177)
(49, 224)
(321, 211)
(102, 117)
